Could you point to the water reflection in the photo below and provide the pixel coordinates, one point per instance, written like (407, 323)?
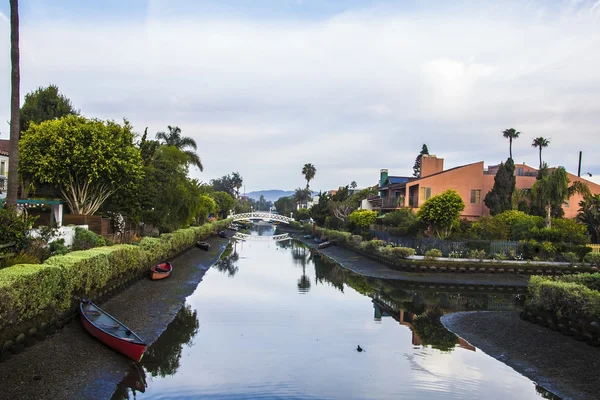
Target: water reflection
(134, 381)
(227, 262)
(162, 358)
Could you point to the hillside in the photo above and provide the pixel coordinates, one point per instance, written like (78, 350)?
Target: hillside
(270, 195)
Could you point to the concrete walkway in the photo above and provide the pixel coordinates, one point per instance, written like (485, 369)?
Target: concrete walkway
(365, 266)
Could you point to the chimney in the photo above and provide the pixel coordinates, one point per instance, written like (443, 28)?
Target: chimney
(430, 165)
(383, 175)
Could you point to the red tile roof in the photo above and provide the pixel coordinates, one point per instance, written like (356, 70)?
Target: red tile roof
(4, 147)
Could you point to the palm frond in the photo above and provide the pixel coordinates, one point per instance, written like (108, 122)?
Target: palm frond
(194, 159)
(187, 142)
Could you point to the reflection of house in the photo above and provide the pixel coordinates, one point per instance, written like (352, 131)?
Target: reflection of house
(3, 168)
(471, 181)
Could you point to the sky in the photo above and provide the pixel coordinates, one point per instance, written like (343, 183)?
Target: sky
(351, 86)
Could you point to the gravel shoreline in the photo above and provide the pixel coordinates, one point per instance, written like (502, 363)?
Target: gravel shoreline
(73, 365)
(560, 364)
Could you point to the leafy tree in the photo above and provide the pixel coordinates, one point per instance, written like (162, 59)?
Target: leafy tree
(285, 205)
(321, 211)
(183, 143)
(88, 160)
(552, 190)
(540, 142)
(45, 104)
(302, 196)
(15, 84)
(237, 182)
(353, 185)
(510, 134)
(147, 148)
(363, 218)
(441, 212)
(228, 183)
(309, 171)
(15, 229)
(302, 214)
(417, 166)
(589, 214)
(403, 220)
(224, 203)
(341, 195)
(500, 198)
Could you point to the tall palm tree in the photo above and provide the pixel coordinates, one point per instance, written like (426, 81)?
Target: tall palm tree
(301, 196)
(510, 134)
(541, 143)
(589, 214)
(15, 112)
(309, 171)
(183, 143)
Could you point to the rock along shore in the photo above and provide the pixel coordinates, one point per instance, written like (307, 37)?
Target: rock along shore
(73, 365)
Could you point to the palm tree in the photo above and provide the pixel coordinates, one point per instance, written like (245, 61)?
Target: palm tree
(510, 134)
(183, 143)
(589, 214)
(301, 196)
(309, 171)
(541, 143)
(15, 112)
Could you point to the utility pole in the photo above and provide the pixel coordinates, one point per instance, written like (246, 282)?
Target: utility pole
(579, 167)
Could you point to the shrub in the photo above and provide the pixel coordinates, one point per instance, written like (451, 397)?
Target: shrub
(477, 254)
(15, 259)
(500, 256)
(85, 239)
(433, 254)
(570, 257)
(592, 258)
(401, 253)
(592, 281)
(15, 228)
(295, 225)
(58, 247)
(371, 245)
(564, 299)
(355, 240)
(363, 218)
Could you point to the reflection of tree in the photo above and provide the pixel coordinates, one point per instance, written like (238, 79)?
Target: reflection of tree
(329, 272)
(304, 281)
(431, 331)
(162, 358)
(228, 260)
(545, 393)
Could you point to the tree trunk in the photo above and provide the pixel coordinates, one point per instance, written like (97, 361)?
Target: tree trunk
(13, 150)
(510, 147)
(548, 215)
(540, 158)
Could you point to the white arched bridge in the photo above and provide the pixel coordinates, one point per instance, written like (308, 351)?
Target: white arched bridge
(256, 238)
(267, 216)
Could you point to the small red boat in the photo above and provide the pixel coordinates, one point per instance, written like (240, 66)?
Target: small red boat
(110, 331)
(160, 271)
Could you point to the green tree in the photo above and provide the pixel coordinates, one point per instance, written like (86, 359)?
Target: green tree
(224, 202)
(540, 142)
(589, 215)
(147, 148)
(309, 171)
(285, 205)
(15, 229)
(237, 182)
(353, 185)
(183, 143)
(228, 183)
(552, 190)
(510, 134)
(403, 221)
(88, 160)
(321, 211)
(440, 213)
(417, 166)
(500, 198)
(302, 214)
(363, 218)
(302, 196)
(45, 104)
(15, 85)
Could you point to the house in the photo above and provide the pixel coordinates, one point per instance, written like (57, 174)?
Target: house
(471, 181)
(3, 168)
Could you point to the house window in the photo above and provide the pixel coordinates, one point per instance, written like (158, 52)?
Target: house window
(425, 193)
(475, 196)
(3, 168)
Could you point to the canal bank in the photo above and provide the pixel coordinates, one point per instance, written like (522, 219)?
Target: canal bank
(73, 365)
(562, 365)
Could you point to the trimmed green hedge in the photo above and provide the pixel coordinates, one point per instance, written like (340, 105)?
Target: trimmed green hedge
(31, 291)
(564, 299)
(592, 281)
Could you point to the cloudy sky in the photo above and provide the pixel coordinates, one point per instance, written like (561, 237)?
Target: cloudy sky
(351, 86)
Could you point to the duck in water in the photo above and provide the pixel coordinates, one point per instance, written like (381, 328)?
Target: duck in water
(359, 349)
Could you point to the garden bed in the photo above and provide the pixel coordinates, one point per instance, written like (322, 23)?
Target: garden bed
(38, 299)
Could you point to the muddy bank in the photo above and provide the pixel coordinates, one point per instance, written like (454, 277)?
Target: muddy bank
(560, 364)
(367, 267)
(73, 365)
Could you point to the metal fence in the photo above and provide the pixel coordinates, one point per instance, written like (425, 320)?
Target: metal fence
(448, 248)
(595, 248)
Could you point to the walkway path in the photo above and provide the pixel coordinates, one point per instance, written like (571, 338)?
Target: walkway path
(365, 266)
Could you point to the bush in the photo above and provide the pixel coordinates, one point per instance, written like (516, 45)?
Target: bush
(433, 254)
(58, 247)
(295, 225)
(85, 239)
(477, 254)
(564, 299)
(15, 228)
(570, 257)
(28, 291)
(372, 245)
(592, 281)
(363, 218)
(15, 259)
(401, 253)
(355, 240)
(592, 258)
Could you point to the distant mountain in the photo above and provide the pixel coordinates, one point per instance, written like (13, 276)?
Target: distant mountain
(270, 195)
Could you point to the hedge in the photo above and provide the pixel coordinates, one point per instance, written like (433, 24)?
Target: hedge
(562, 299)
(30, 292)
(591, 281)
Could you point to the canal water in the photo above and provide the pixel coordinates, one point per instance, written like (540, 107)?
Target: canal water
(273, 320)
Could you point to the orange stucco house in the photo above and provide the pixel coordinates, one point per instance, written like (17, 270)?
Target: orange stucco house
(471, 181)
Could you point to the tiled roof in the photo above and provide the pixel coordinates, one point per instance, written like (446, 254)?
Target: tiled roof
(4, 147)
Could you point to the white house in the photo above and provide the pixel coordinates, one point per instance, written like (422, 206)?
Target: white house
(3, 168)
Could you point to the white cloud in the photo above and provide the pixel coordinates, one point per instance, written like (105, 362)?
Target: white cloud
(352, 93)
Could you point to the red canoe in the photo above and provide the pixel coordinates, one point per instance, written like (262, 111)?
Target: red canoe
(110, 331)
(160, 271)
